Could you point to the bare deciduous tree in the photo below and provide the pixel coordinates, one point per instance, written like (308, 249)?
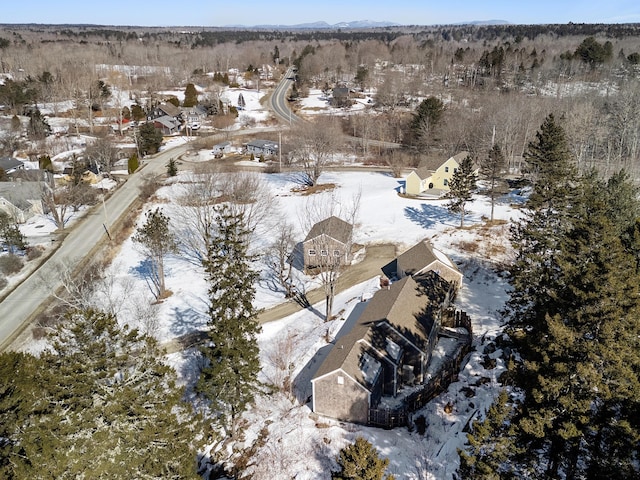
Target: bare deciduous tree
(329, 266)
(56, 203)
(102, 153)
(245, 193)
(316, 144)
(248, 196)
(279, 257)
(197, 216)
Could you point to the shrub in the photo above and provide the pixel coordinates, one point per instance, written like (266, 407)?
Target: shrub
(34, 252)
(10, 264)
(3, 282)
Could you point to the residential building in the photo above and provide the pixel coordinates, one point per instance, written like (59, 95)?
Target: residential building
(433, 176)
(328, 242)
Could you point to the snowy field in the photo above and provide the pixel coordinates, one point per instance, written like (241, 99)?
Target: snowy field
(299, 444)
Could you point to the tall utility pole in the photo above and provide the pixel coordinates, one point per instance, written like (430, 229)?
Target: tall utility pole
(280, 150)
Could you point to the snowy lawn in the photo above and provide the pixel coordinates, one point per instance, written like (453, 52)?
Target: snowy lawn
(299, 444)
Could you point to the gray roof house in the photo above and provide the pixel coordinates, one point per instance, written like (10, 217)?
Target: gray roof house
(328, 241)
(262, 147)
(166, 108)
(166, 124)
(421, 258)
(387, 346)
(220, 148)
(21, 200)
(194, 114)
(11, 165)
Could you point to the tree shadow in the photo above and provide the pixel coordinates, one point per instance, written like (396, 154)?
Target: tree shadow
(402, 186)
(296, 259)
(186, 320)
(302, 382)
(147, 271)
(427, 216)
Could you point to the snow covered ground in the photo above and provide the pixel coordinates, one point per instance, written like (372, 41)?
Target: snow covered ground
(299, 444)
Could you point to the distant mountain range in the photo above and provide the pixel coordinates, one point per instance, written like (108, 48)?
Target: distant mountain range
(354, 25)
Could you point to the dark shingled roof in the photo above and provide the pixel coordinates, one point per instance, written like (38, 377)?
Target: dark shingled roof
(334, 227)
(8, 163)
(405, 306)
(170, 109)
(415, 259)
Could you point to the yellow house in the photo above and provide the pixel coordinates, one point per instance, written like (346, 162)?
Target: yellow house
(433, 175)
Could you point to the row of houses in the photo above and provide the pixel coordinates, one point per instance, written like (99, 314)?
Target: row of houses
(387, 342)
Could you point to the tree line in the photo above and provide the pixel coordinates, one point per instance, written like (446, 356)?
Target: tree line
(573, 317)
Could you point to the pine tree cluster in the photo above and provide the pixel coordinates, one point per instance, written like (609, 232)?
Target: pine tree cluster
(574, 318)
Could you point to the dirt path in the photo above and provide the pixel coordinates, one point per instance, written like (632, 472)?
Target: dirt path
(375, 258)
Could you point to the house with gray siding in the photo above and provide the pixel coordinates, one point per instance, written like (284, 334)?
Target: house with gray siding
(388, 346)
(328, 243)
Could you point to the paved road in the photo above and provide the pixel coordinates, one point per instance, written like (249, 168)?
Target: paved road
(31, 296)
(278, 100)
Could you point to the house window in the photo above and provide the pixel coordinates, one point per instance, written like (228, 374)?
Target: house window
(446, 182)
(446, 169)
(324, 253)
(336, 253)
(312, 252)
(340, 380)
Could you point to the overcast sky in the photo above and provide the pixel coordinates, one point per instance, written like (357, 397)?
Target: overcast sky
(288, 12)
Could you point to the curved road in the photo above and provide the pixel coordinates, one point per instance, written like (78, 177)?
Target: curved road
(280, 106)
(278, 100)
(31, 296)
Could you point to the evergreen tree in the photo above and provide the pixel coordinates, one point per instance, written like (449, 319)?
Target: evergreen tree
(172, 167)
(190, 96)
(426, 119)
(360, 461)
(461, 188)
(38, 126)
(547, 216)
(173, 101)
(18, 388)
(493, 169)
(137, 112)
(157, 241)
(548, 163)
(150, 138)
(490, 444)
(99, 404)
(229, 380)
(10, 234)
(241, 102)
(16, 124)
(133, 163)
(581, 351)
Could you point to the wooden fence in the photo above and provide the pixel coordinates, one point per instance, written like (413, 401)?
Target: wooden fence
(399, 416)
